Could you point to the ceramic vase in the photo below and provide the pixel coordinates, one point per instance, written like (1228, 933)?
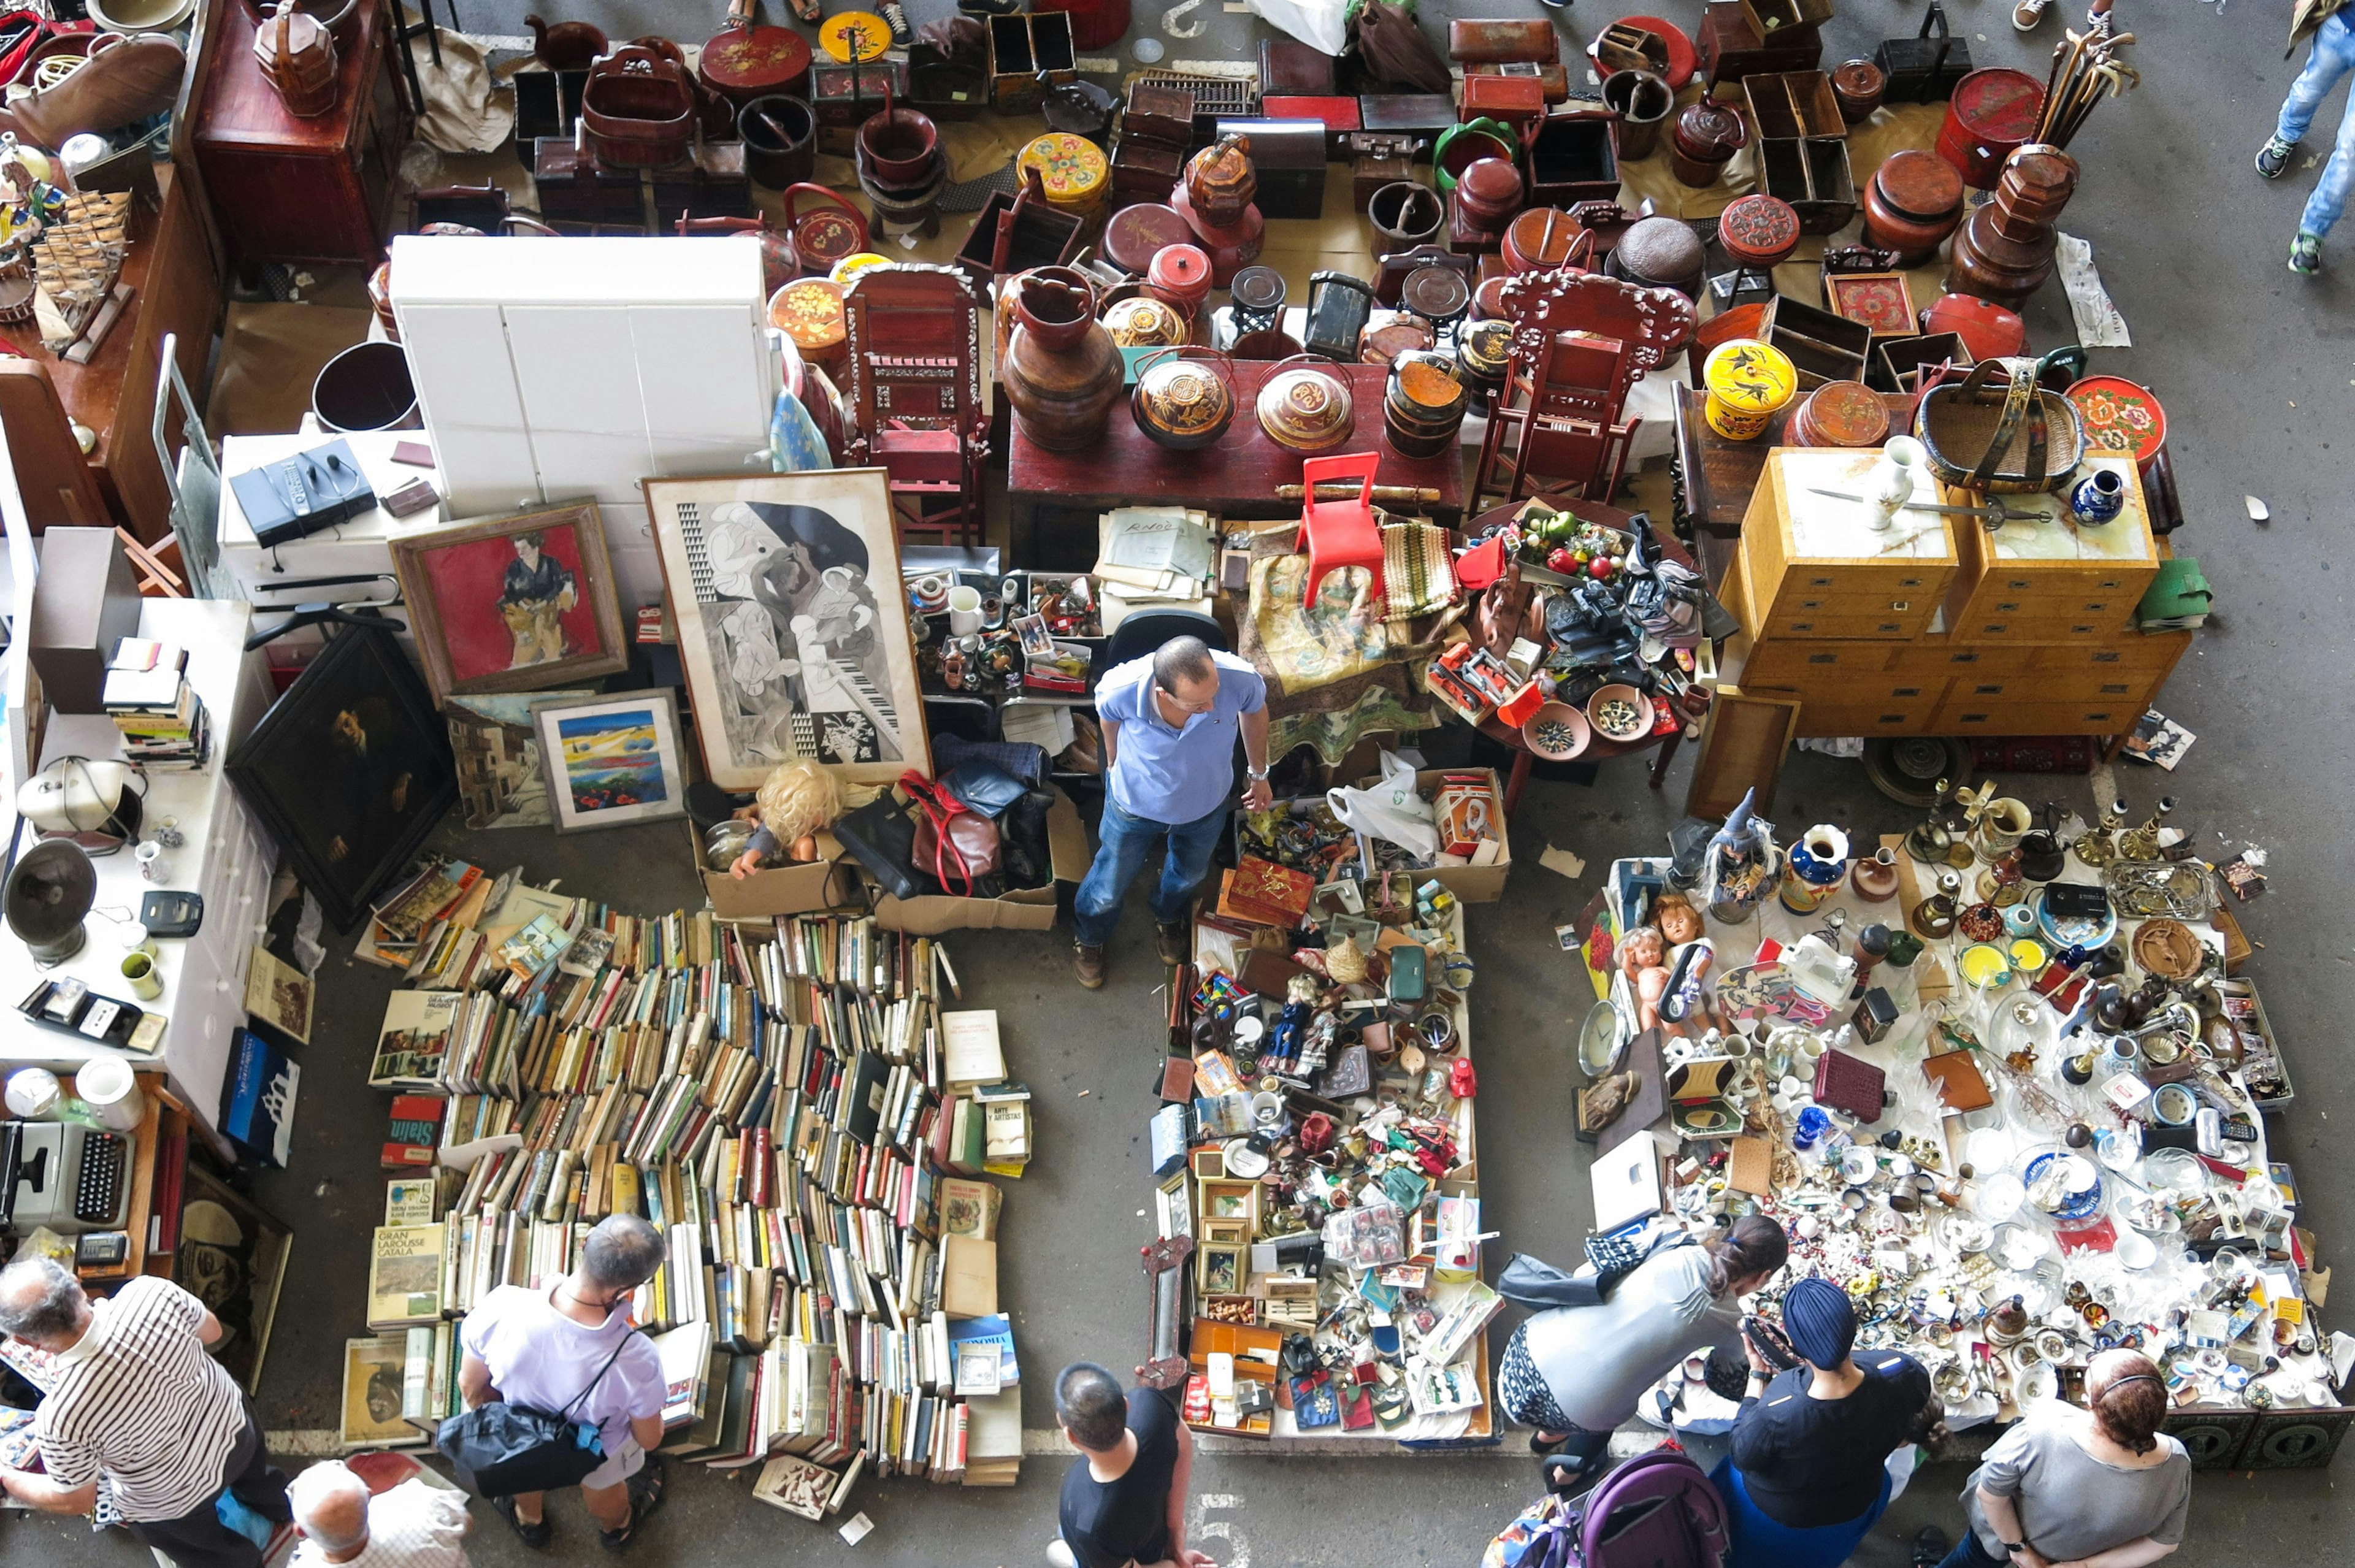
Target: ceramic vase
(2098, 499)
(1813, 867)
(1891, 483)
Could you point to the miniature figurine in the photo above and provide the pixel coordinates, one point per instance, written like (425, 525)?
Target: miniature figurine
(1741, 864)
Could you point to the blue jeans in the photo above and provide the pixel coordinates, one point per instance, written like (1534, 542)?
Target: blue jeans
(1969, 1554)
(1125, 841)
(2333, 58)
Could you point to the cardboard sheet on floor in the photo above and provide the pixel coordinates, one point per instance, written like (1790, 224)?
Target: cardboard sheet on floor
(270, 356)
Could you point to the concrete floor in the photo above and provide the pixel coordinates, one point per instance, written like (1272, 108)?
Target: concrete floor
(2258, 377)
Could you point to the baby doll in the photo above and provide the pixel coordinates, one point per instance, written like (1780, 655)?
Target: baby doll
(794, 802)
(1642, 958)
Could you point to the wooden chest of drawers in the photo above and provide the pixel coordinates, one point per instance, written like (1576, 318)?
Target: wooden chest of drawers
(1816, 566)
(2052, 581)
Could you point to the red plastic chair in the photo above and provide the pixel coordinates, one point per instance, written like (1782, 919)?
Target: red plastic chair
(1337, 534)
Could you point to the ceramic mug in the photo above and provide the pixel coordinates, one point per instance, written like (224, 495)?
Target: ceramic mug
(139, 974)
(965, 610)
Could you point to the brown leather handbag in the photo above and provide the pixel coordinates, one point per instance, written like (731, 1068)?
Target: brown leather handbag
(953, 844)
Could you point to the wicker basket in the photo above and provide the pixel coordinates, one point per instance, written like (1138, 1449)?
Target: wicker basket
(2014, 441)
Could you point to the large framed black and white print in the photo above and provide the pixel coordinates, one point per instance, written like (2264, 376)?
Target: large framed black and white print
(792, 624)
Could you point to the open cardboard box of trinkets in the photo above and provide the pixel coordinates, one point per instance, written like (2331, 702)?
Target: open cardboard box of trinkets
(1018, 909)
(827, 882)
(1305, 835)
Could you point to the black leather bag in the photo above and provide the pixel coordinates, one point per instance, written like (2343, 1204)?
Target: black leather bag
(881, 837)
(499, 1450)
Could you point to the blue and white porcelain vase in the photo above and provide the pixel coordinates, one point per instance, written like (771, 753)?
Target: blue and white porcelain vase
(2098, 499)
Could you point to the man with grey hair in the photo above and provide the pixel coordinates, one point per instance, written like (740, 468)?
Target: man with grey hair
(138, 1402)
(412, 1525)
(1171, 723)
(570, 1347)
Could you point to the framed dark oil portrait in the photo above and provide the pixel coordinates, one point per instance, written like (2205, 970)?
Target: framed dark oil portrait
(513, 603)
(350, 769)
(792, 624)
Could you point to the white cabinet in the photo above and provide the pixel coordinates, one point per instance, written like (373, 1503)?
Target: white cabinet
(557, 368)
(228, 858)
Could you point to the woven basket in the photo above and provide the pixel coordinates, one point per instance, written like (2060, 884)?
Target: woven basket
(2013, 441)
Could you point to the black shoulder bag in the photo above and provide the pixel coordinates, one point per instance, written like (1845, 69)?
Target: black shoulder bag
(499, 1450)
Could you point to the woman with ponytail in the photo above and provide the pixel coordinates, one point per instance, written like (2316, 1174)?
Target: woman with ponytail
(1575, 1374)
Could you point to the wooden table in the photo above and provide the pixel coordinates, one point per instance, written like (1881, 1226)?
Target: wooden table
(1235, 478)
(1598, 749)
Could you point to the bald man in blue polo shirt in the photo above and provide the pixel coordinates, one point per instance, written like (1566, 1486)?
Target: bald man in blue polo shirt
(1170, 722)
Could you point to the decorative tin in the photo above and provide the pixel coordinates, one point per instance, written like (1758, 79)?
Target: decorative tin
(1839, 413)
(1911, 203)
(809, 311)
(1758, 230)
(1144, 322)
(1070, 170)
(1182, 403)
(1303, 407)
(2119, 417)
(1991, 115)
(1748, 384)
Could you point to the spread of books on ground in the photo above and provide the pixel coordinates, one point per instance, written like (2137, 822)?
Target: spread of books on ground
(788, 1101)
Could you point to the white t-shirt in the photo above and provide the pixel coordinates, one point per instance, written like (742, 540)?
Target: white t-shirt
(411, 1525)
(541, 1358)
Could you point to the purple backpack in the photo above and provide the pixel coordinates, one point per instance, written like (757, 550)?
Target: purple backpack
(1656, 1511)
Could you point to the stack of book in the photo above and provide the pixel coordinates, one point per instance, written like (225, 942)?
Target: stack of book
(164, 722)
(780, 1101)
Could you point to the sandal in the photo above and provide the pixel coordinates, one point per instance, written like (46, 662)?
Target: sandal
(1539, 1446)
(810, 12)
(536, 1534)
(645, 1496)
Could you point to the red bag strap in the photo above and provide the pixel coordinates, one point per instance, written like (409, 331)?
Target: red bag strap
(939, 805)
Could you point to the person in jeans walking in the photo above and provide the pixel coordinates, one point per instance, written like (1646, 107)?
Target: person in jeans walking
(1170, 721)
(542, 1348)
(138, 1402)
(2332, 28)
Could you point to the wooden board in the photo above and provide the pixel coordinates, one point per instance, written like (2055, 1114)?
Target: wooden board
(1741, 748)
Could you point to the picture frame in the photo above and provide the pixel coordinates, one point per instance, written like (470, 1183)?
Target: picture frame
(1230, 1201)
(370, 1410)
(1174, 1205)
(612, 761)
(1219, 1271)
(232, 1257)
(517, 603)
(786, 597)
(349, 771)
(278, 995)
(1208, 1164)
(1225, 1233)
(501, 781)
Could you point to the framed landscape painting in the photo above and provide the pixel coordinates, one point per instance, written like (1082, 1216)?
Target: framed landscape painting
(612, 761)
(792, 624)
(513, 603)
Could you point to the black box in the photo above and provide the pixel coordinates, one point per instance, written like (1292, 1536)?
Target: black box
(1289, 158)
(85, 602)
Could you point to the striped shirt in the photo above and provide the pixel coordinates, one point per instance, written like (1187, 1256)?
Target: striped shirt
(139, 1400)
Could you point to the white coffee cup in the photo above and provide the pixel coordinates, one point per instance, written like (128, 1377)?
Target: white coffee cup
(965, 610)
(107, 1086)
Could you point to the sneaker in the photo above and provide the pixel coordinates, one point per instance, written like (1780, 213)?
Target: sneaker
(1087, 962)
(1929, 1547)
(2027, 14)
(2306, 254)
(2097, 25)
(897, 20)
(1169, 940)
(1059, 1554)
(2274, 157)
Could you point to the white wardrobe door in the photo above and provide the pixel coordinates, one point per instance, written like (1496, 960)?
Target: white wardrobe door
(582, 407)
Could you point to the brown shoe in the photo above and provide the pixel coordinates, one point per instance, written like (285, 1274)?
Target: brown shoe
(1169, 940)
(1087, 962)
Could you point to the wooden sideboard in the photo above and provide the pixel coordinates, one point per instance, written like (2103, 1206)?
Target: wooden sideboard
(289, 189)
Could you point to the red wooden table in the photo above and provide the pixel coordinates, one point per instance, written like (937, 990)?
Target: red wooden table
(1598, 749)
(1235, 478)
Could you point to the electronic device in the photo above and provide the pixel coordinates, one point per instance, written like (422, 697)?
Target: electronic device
(68, 1007)
(86, 801)
(172, 914)
(51, 888)
(103, 1250)
(65, 1176)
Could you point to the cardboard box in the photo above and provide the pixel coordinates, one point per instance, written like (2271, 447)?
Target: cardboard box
(830, 881)
(1025, 909)
(1482, 884)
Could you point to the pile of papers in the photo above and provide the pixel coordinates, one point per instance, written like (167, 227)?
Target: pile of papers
(1153, 558)
(148, 696)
